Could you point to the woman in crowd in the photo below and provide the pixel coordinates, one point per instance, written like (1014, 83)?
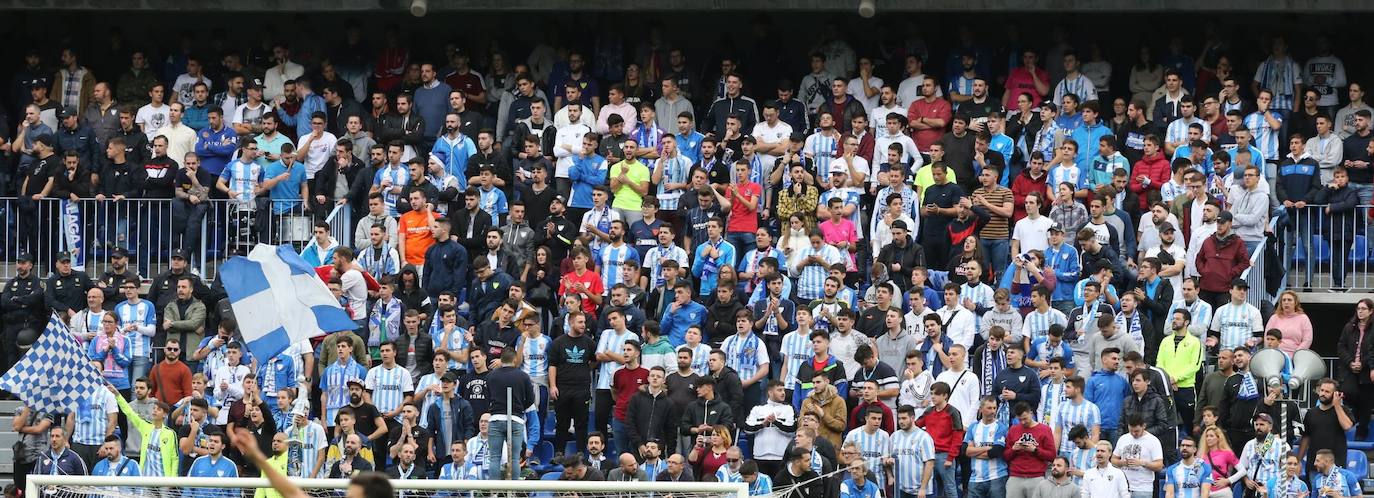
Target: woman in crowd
(1290, 319)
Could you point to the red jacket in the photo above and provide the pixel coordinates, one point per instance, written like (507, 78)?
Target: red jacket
(1156, 168)
(1023, 184)
(946, 429)
(1221, 261)
(1023, 463)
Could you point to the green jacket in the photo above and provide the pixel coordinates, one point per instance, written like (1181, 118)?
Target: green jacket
(1181, 360)
(167, 439)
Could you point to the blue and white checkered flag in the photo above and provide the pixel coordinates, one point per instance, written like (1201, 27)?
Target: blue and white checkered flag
(279, 300)
(55, 374)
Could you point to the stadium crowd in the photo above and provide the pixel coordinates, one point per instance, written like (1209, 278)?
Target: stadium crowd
(1010, 279)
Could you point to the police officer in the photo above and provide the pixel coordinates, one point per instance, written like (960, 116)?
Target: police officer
(21, 306)
(115, 275)
(164, 288)
(66, 289)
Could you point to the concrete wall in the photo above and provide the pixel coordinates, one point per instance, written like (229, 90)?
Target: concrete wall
(1077, 6)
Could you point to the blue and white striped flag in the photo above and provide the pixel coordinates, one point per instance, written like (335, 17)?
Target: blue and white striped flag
(55, 374)
(279, 300)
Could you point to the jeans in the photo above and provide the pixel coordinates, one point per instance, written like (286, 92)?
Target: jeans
(620, 439)
(998, 252)
(186, 224)
(1109, 435)
(743, 242)
(996, 488)
(138, 368)
(496, 441)
(1298, 223)
(949, 484)
(1364, 190)
(1142, 494)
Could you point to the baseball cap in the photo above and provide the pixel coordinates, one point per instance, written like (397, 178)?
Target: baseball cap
(1056, 227)
(38, 83)
(838, 167)
(181, 254)
(67, 112)
(1166, 227)
(119, 252)
(355, 380)
(1225, 217)
(23, 256)
(255, 83)
(1262, 416)
(64, 256)
(559, 199)
(1049, 105)
(45, 139)
(898, 224)
(450, 376)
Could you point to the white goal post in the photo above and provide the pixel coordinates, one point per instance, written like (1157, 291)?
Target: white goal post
(60, 486)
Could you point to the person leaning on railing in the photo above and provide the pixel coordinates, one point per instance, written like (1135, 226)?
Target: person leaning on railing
(1343, 224)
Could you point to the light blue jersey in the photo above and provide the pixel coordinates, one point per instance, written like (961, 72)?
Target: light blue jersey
(796, 349)
(873, 448)
(1187, 480)
(745, 354)
(986, 434)
(1083, 413)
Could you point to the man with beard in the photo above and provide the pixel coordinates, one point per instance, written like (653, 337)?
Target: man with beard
(1242, 400)
(352, 463)
(1263, 457)
(557, 231)
(1060, 484)
(1324, 426)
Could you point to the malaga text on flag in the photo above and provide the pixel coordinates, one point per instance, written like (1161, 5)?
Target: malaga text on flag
(55, 374)
(278, 300)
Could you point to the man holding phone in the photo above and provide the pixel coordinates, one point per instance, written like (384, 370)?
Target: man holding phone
(1031, 447)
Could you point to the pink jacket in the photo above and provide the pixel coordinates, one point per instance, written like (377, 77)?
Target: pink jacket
(1297, 331)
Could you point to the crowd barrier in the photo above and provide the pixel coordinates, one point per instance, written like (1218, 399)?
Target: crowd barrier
(151, 231)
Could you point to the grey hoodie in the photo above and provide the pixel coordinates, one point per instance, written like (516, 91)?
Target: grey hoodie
(1099, 342)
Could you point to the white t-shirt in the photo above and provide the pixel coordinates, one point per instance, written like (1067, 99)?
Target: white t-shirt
(1176, 250)
(355, 290)
(1033, 233)
(778, 134)
(153, 118)
(856, 88)
(1149, 233)
(1145, 448)
(320, 154)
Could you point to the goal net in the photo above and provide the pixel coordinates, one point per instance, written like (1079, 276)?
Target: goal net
(50, 486)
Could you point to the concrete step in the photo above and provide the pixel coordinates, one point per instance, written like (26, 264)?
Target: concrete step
(7, 439)
(9, 407)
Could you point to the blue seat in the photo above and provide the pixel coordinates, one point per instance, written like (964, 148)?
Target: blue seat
(551, 476)
(1359, 250)
(1357, 462)
(544, 453)
(1321, 251)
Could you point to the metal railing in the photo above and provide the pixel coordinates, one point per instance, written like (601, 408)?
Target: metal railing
(1322, 251)
(151, 231)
